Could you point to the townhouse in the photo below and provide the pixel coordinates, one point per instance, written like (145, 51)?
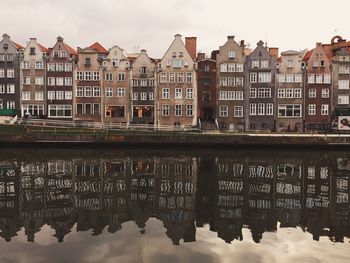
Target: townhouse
(9, 76)
(260, 89)
(60, 67)
(230, 85)
(177, 86)
(88, 83)
(290, 79)
(33, 85)
(116, 96)
(143, 89)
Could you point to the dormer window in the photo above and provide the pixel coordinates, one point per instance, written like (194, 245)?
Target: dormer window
(231, 54)
(32, 51)
(87, 61)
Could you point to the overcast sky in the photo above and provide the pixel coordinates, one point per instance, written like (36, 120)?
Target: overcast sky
(152, 24)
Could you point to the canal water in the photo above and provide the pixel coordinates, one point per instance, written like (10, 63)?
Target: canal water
(174, 205)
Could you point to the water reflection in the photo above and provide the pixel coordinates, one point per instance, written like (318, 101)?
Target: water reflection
(228, 191)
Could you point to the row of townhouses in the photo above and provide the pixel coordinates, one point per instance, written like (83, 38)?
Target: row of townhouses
(235, 88)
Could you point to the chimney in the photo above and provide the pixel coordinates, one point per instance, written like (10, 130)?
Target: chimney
(274, 52)
(230, 37)
(191, 46)
(59, 39)
(200, 56)
(242, 43)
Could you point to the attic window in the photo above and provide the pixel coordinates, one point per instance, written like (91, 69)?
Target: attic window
(181, 54)
(32, 51)
(177, 63)
(6, 46)
(231, 54)
(115, 62)
(87, 61)
(174, 54)
(322, 63)
(143, 70)
(55, 54)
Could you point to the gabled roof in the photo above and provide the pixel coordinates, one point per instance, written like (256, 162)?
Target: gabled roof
(99, 48)
(42, 48)
(71, 50)
(18, 46)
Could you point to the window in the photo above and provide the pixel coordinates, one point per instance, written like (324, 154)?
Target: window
(59, 81)
(135, 96)
(269, 109)
(171, 77)
(97, 91)
(143, 95)
(177, 63)
(189, 77)
(2, 89)
(231, 67)
(121, 77)
(239, 82)
(26, 80)
(79, 108)
(11, 105)
(143, 82)
(55, 54)
(120, 92)
(39, 65)
(344, 70)
(11, 88)
(68, 67)
(264, 77)
(87, 61)
(252, 77)
(289, 93)
(318, 78)
(297, 78)
(88, 91)
(163, 77)
(80, 92)
(290, 64)
(25, 65)
(39, 95)
(51, 67)
(327, 78)
(290, 110)
(223, 67)
(325, 93)
(312, 109)
(96, 75)
(189, 93)
(59, 66)
(96, 108)
(166, 93)
(223, 82)
(239, 67)
(178, 93)
(238, 111)
(281, 93)
(2, 73)
(239, 95)
(231, 54)
(115, 62)
(109, 92)
(264, 63)
(206, 68)
(165, 110)
(264, 93)
(60, 110)
(311, 78)
(151, 96)
(10, 73)
(9, 57)
(39, 81)
(281, 78)
(189, 110)
(315, 63)
(59, 95)
(109, 76)
(255, 63)
(25, 95)
(51, 81)
(297, 93)
(51, 95)
(178, 110)
(343, 84)
(68, 95)
(343, 99)
(230, 81)
(80, 75)
(180, 77)
(151, 82)
(261, 109)
(312, 93)
(252, 109)
(223, 111)
(290, 78)
(252, 93)
(223, 95)
(324, 109)
(68, 81)
(2, 57)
